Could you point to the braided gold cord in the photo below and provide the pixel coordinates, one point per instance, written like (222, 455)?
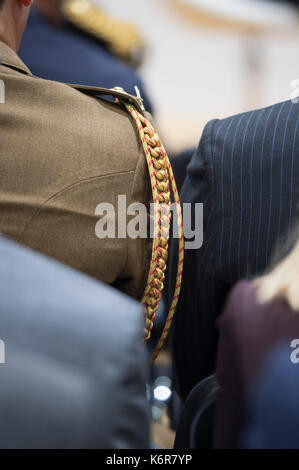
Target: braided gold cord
(162, 178)
(179, 267)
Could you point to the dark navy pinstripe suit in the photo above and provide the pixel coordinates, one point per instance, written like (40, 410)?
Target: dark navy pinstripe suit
(246, 172)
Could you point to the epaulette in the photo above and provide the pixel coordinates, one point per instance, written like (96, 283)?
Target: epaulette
(120, 38)
(117, 93)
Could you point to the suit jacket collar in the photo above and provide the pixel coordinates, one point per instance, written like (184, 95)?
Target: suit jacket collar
(9, 58)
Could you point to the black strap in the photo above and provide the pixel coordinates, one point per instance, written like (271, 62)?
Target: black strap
(116, 93)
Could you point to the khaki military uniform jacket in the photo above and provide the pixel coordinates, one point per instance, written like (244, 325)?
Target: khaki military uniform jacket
(62, 153)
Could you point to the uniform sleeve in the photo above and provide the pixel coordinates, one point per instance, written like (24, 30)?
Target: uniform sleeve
(194, 339)
(139, 249)
(66, 227)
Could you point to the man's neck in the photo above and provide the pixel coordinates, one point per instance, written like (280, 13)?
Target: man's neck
(9, 38)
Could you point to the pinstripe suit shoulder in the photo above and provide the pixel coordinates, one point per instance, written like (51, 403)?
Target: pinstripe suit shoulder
(246, 173)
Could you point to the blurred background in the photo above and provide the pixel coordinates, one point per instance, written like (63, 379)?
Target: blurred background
(211, 58)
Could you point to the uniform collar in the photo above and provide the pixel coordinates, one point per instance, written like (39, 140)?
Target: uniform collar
(9, 58)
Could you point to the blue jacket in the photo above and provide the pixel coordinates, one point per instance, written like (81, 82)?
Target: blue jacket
(74, 372)
(245, 173)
